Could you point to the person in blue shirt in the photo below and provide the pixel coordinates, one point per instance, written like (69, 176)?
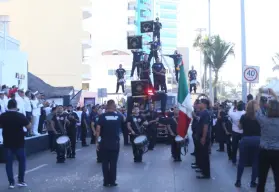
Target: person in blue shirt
(154, 47)
(157, 28)
(177, 58)
(120, 74)
(203, 136)
(108, 127)
(159, 75)
(193, 80)
(145, 70)
(137, 55)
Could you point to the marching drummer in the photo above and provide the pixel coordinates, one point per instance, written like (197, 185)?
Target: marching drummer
(175, 147)
(134, 124)
(60, 121)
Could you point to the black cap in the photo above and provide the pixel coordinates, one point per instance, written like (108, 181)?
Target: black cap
(205, 101)
(250, 97)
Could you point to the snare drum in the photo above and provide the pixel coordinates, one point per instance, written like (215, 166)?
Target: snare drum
(63, 142)
(141, 141)
(179, 140)
(99, 139)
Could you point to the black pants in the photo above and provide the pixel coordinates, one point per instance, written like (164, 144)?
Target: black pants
(236, 137)
(93, 138)
(203, 158)
(145, 76)
(83, 135)
(72, 151)
(160, 82)
(51, 140)
(158, 35)
(228, 142)
(122, 86)
(193, 87)
(267, 159)
(41, 123)
(153, 54)
(109, 165)
(125, 134)
(152, 136)
(60, 151)
(175, 149)
(176, 74)
(134, 66)
(99, 157)
(136, 151)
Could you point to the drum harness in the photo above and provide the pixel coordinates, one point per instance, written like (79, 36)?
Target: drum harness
(185, 143)
(63, 131)
(140, 129)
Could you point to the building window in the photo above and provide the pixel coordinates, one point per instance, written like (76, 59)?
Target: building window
(85, 86)
(168, 35)
(131, 6)
(168, 16)
(111, 72)
(169, 25)
(168, 6)
(131, 21)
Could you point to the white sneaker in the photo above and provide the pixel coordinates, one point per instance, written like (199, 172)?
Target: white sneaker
(22, 184)
(11, 186)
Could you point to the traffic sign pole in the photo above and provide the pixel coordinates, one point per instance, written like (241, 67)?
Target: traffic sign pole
(243, 48)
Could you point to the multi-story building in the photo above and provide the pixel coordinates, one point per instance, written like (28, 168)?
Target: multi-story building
(138, 11)
(51, 34)
(166, 10)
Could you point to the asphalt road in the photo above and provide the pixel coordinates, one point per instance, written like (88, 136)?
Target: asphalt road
(157, 173)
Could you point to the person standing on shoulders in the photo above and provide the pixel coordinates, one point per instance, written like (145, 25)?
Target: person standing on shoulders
(12, 123)
(109, 127)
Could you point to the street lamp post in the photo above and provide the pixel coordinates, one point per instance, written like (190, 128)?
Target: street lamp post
(243, 48)
(200, 30)
(210, 70)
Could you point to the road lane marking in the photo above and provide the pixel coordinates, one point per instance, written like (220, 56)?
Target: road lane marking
(34, 169)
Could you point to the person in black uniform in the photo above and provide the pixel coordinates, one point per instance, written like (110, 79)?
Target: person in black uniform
(159, 75)
(71, 131)
(120, 73)
(84, 126)
(60, 121)
(192, 74)
(151, 117)
(145, 70)
(175, 147)
(109, 127)
(177, 58)
(203, 136)
(157, 28)
(94, 126)
(134, 123)
(137, 54)
(195, 115)
(154, 47)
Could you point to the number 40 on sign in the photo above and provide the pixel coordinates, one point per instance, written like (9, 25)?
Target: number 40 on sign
(251, 74)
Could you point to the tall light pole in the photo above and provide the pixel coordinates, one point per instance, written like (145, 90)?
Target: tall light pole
(200, 30)
(243, 48)
(210, 71)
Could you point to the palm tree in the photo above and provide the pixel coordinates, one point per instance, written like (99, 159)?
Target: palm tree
(216, 52)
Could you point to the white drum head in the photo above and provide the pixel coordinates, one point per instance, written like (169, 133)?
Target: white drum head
(62, 139)
(99, 139)
(178, 138)
(140, 139)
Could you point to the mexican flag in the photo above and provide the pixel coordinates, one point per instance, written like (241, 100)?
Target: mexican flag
(184, 104)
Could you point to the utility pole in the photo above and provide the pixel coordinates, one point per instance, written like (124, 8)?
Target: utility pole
(200, 31)
(243, 48)
(210, 70)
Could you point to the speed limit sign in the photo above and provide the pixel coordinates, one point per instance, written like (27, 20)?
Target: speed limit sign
(251, 74)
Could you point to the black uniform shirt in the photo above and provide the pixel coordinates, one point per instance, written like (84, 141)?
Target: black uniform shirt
(110, 123)
(173, 124)
(59, 122)
(120, 73)
(158, 68)
(73, 118)
(137, 56)
(176, 59)
(157, 26)
(136, 122)
(204, 120)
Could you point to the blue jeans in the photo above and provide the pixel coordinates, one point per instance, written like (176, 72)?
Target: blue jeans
(249, 146)
(20, 155)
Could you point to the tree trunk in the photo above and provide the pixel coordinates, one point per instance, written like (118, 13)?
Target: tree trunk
(215, 84)
(205, 79)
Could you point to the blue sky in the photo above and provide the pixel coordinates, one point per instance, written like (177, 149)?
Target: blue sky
(261, 30)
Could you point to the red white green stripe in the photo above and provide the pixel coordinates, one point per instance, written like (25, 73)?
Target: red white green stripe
(184, 104)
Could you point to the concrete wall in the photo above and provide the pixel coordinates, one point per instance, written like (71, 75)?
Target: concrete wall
(50, 32)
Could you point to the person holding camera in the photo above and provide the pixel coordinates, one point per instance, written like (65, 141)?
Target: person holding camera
(269, 140)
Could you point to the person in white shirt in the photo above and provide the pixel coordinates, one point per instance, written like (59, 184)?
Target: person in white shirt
(78, 112)
(36, 112)
(235, 114)
(19, 96)
(47, 108)
(6, 99)
(2, 110)
(28, 109)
